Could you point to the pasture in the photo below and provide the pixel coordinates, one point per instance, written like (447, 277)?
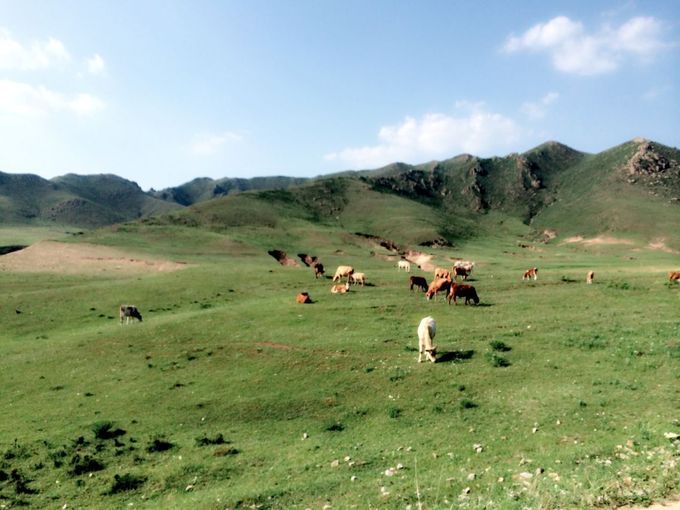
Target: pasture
(549, 394)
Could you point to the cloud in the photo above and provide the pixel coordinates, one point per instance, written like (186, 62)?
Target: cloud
(573, 50)
(37, 55)
(95, 64)
(207, 144)
(537, 109)
(28, 100)
(434, 136)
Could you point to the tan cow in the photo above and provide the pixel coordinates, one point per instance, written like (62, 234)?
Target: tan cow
(340, 289)
(357, 278)
(343, 272)
(442, 273)
(589, 277)
(426, 331)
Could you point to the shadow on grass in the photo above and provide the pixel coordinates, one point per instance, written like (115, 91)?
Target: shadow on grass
(454, 356)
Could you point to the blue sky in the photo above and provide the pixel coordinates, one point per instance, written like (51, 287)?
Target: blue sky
(161, 92)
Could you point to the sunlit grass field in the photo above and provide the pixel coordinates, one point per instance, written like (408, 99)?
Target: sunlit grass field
(549, 394)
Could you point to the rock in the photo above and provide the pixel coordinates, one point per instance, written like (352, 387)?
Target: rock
(335, 463)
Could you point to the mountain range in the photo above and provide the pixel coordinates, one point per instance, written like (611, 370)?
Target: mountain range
(631, 188)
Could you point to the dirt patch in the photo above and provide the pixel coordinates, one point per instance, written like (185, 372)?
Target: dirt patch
(672, 504)
(597, 241)
(660, 244)
(67, 258)
(422, 260)
(282, 258)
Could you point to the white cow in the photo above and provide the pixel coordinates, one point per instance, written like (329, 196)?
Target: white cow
(405, 265)
(426, 332)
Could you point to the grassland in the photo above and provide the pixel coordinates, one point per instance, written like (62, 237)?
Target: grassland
(550, 394)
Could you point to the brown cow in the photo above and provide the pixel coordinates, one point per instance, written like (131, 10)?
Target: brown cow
(674, 275)
(530, 273)
(438, 285)
(589, 277)
(303, 298)
(462, 291)
(417, 281)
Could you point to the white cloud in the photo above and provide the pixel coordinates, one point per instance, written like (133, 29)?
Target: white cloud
(537, 109)
(573, 50)
(434, 136)
(207, 144)
(28, 100)
(95, 64)
(37, 55)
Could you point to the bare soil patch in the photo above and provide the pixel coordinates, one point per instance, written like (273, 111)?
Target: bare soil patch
(67, 258)
(597, 241)
(671, 504)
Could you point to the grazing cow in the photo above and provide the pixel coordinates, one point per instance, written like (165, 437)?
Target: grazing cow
(303, 298)
(426, 331)
(340, 289)
(318, 270)
(465, 264)
(442, 273)
(128, 312)
(343, 272)
(405, 265)
(589, 277)
(357, 278)
(460, 271)
(530, 273)
(462, 291)
(417, 281)
(438, 285)
(674, 275)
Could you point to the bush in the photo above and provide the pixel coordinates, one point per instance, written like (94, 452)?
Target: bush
(126, 482)
(205, 440)
(467, 404)
(497, 345)
(498, 361)
(159, 444)
(106, 430)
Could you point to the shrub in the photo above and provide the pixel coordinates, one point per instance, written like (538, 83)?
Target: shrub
(394, 412)
(467, 404)
(126, 482)
(159, 444)
(498, 361)
(106, 430)
(205, 440)
(86, 464)
(334, 427)
(497, 345)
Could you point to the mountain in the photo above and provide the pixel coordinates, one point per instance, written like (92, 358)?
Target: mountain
(633, 188)
(81, 201)
(204, 188)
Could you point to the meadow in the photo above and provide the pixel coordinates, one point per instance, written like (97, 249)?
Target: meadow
(549, 394)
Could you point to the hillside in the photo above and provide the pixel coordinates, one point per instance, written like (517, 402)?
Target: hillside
(631, 189)
(82, 201)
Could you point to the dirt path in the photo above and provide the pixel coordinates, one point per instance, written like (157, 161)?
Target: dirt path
(68, 258)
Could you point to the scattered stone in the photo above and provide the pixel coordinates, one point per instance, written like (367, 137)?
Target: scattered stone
(471, 476)
(671, 435)
(478, 448)
(305, 436)
(466, 490)
(400, 466)
(335, 463)
(389, 472)
(384, 491)
(354, 478)
(525, 475)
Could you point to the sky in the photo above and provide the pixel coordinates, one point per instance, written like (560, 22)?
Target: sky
(163, 91)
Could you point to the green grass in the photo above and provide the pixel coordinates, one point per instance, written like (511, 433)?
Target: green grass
(230, 394)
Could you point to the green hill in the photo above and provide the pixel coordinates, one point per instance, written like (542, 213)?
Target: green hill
(84, 201)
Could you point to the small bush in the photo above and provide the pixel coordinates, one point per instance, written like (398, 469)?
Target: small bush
(334, 427)
(497, 345)
(81, 465)
(394, 412)
(498, 361)
(205, 440)
(467, 404)
(106, 430)
(126, 482)
(159, 444)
